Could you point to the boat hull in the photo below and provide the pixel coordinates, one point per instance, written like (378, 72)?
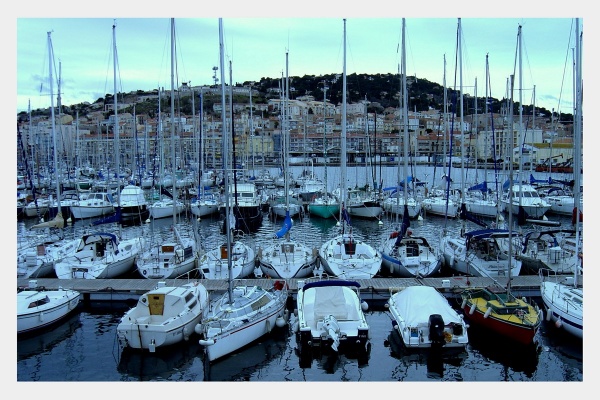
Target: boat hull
(32, 318)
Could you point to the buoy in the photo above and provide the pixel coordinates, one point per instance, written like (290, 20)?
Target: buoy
(280, 322)
(463, 304)
(472, 309)
(364, 306)
(198, 329)
(549, 315)
(487, 313)
(380, 223)
(268, 326)
(148, 220)
(206, 342)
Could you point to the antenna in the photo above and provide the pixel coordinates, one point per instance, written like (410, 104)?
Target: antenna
(215, 69)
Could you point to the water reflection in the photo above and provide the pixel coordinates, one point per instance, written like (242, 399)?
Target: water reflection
(35, 343)
(248, 363)
(164, 364)
(441, 364)
(513, 356)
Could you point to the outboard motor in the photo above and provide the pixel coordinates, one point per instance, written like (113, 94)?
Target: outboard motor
(436, 330)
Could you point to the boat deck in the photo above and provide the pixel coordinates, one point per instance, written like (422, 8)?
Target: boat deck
(371, 289)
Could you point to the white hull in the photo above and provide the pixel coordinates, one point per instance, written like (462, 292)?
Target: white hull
(413, 258)
(331, 317)
(51, 307)
(288, 260)
(89, 262)
(227, 331)
(39, 261)
(423, 318)
(163, 316)
(470, 262)
(564, 305)
(214, 264)
(363, 262)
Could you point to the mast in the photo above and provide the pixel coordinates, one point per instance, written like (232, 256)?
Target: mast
(225, 163)
(577, 157)
(173, 117)
(405, 121)
(116, 138)
(343, 139)
(50, 57)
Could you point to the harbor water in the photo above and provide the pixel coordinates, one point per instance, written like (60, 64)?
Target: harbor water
(84, 347)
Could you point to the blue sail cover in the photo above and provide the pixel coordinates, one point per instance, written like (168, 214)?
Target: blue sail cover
(404, 227)
(482, 187)
(287, 225)
(466, 215)
(345, 215)
(116, 217)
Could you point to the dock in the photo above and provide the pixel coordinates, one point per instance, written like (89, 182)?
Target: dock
(376, 289)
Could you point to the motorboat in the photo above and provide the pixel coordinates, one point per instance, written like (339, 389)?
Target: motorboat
(424, 319)
(92, 205)
(241, 316)
(133, 206)
(163, 316)
(330, 317)
(37, 309)
(100, 255)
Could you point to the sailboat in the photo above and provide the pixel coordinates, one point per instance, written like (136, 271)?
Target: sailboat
(324, 204)
(497, 308)
(281, 204)
(403, 254)
(205, 203)
(563, 295)
(37, 259)
(287, 258)
(166, 204)
(346, 256)
(244, 313)
(103, 255)
(479, 252)
(178, 255)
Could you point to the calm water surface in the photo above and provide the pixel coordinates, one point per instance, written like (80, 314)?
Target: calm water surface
(84, 347)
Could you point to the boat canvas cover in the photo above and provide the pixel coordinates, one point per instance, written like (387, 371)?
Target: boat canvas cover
(416, 303)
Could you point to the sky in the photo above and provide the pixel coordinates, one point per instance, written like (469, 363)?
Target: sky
(256, 43)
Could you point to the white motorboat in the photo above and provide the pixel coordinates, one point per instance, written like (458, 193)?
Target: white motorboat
(38, 308)
(91, 205)
(100, 255)
(163, 316)
(525, 197)
(424, 319)
(330, 317)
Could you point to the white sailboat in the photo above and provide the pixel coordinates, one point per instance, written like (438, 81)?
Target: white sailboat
(346, 256)
(403, 254)
(37, 258)
(205, 203)
(563, 295)
(103, 255)
(287, 258)
(244, 313)
(177, 255)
